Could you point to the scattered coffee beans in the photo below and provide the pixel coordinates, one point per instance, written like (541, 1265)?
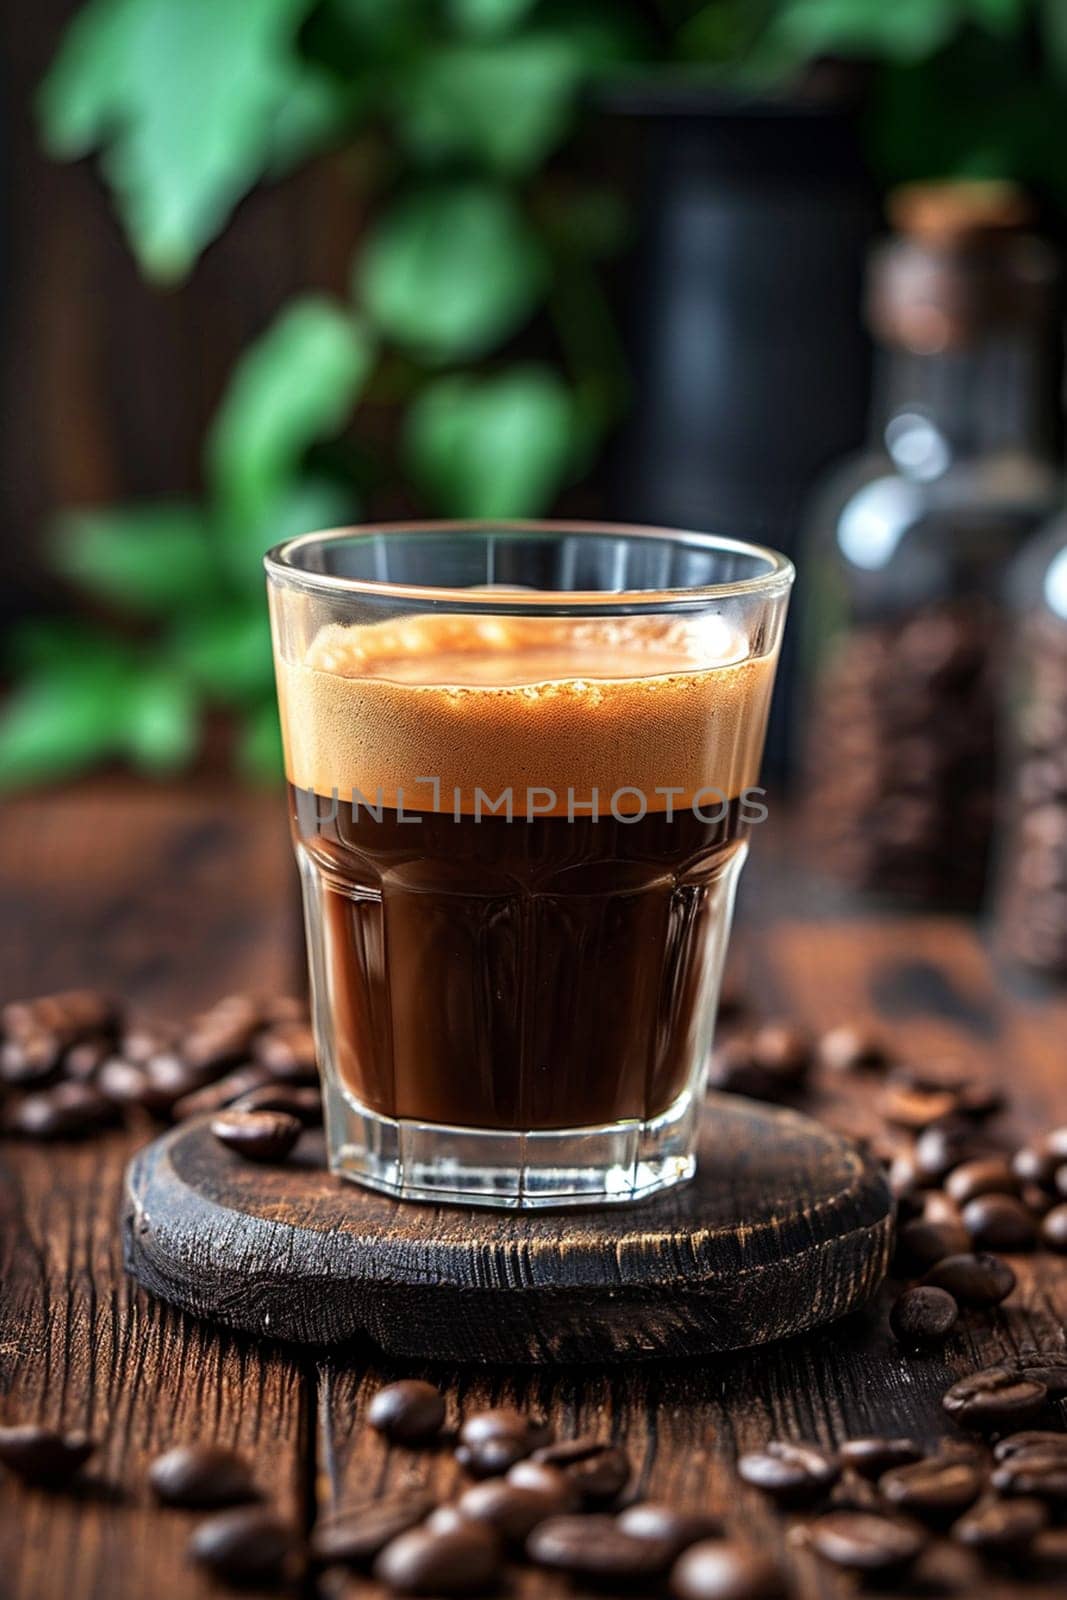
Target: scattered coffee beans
(460, 1560)
(596, 1547)
(1054, 1228)
(999, 1222)
(511, 1509)
(863, 1541)
(936, 1490)
(997, 1526)
(647, 1519)
(597, 1470)
(991, 1175)
(247, 1545)
(201, 1475)
(41, 1455)
(407, 1412)
(353, 1535)
(872, 1456)
(266, 1136)
(792, 1473)
(719, 1569)
(995, 1398)
(492, 1441)
(923, 1316)
(973, 1280)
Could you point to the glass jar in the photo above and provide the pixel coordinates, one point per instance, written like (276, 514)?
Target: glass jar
(1031, 900)
(908, 547)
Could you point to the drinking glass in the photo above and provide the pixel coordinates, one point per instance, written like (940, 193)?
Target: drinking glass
(522, 762)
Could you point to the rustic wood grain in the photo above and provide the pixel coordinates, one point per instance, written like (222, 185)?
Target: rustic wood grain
(88, 1347)
(172, 899)
(785, 1225)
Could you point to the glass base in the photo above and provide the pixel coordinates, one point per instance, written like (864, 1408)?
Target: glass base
(508, 1170)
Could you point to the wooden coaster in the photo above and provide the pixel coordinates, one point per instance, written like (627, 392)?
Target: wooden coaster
(786, 1225)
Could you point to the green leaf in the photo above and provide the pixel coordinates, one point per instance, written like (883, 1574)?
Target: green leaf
(160, 728)
(148, 559)
(296, 384)
(451, 271)
(302, 507)
(224, 652)
(182, 99)
(900, 30)
(999, 16)
(495, 448)
(505, 103)
(487, 16)
(259, 748)
(64, 719)
(313, 115)
(1054, 36)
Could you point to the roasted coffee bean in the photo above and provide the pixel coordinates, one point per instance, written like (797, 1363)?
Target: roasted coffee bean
(1054, 1229)
(995, 1398)
(853, 1493)
(1036, 1162)
(1046, 1366)
(446, 1519)
(1030, 1439)
(353, 1535)
(922, 1244)
(222, 1036)
(511, 1509)
(979, 1101)
(782, 1050)
(850, 1048)
(501, 1422)
(872, 1456)
(865, 1541)
(407, 1412)
(732, 1070)
(125, 1084)
(457, 1561)
(492, 1441)
(201, 1475)
(140, 1043)
(909, 1106)
(942, 1147)
(69, 1017)
(266, 1136)
(170, 1076)
(720, 1569)
(1059, 1182)
(297, 1100)
(648, 1519)
(84, 1060)
(1036, 1200)
(937, 1206)
(1037, 1471)
(937, 1489)
(595, 1547)
(793, 1473)
(999, 1222)
(249, 1544)
(220, 1094)
(987, 1175)
(66, 1111)
(973, 1280)
(492, 1457)
(31, 1060)
(1001, 1525)
(548, 1480)
(37, 1116)
(923, 1316)
(41, 1455)
(597, 1470)
(288, 1052)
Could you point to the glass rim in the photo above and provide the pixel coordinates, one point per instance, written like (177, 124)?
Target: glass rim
(280, 564)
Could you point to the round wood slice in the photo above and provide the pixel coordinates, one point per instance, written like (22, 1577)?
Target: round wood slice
(786, 1225)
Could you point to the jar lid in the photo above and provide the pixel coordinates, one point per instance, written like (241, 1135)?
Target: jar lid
(960, 264)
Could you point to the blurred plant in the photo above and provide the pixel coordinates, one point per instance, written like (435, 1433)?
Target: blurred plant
(190, 103)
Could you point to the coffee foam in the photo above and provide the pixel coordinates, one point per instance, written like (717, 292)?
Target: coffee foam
(525, 703)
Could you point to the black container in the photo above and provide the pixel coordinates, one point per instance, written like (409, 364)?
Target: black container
(742, 317)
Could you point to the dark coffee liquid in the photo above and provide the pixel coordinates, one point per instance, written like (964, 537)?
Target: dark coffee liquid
(522, 975)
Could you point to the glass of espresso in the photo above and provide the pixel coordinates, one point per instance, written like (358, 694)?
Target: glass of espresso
(522, 762)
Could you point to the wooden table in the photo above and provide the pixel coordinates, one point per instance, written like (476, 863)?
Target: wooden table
(174, 898)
